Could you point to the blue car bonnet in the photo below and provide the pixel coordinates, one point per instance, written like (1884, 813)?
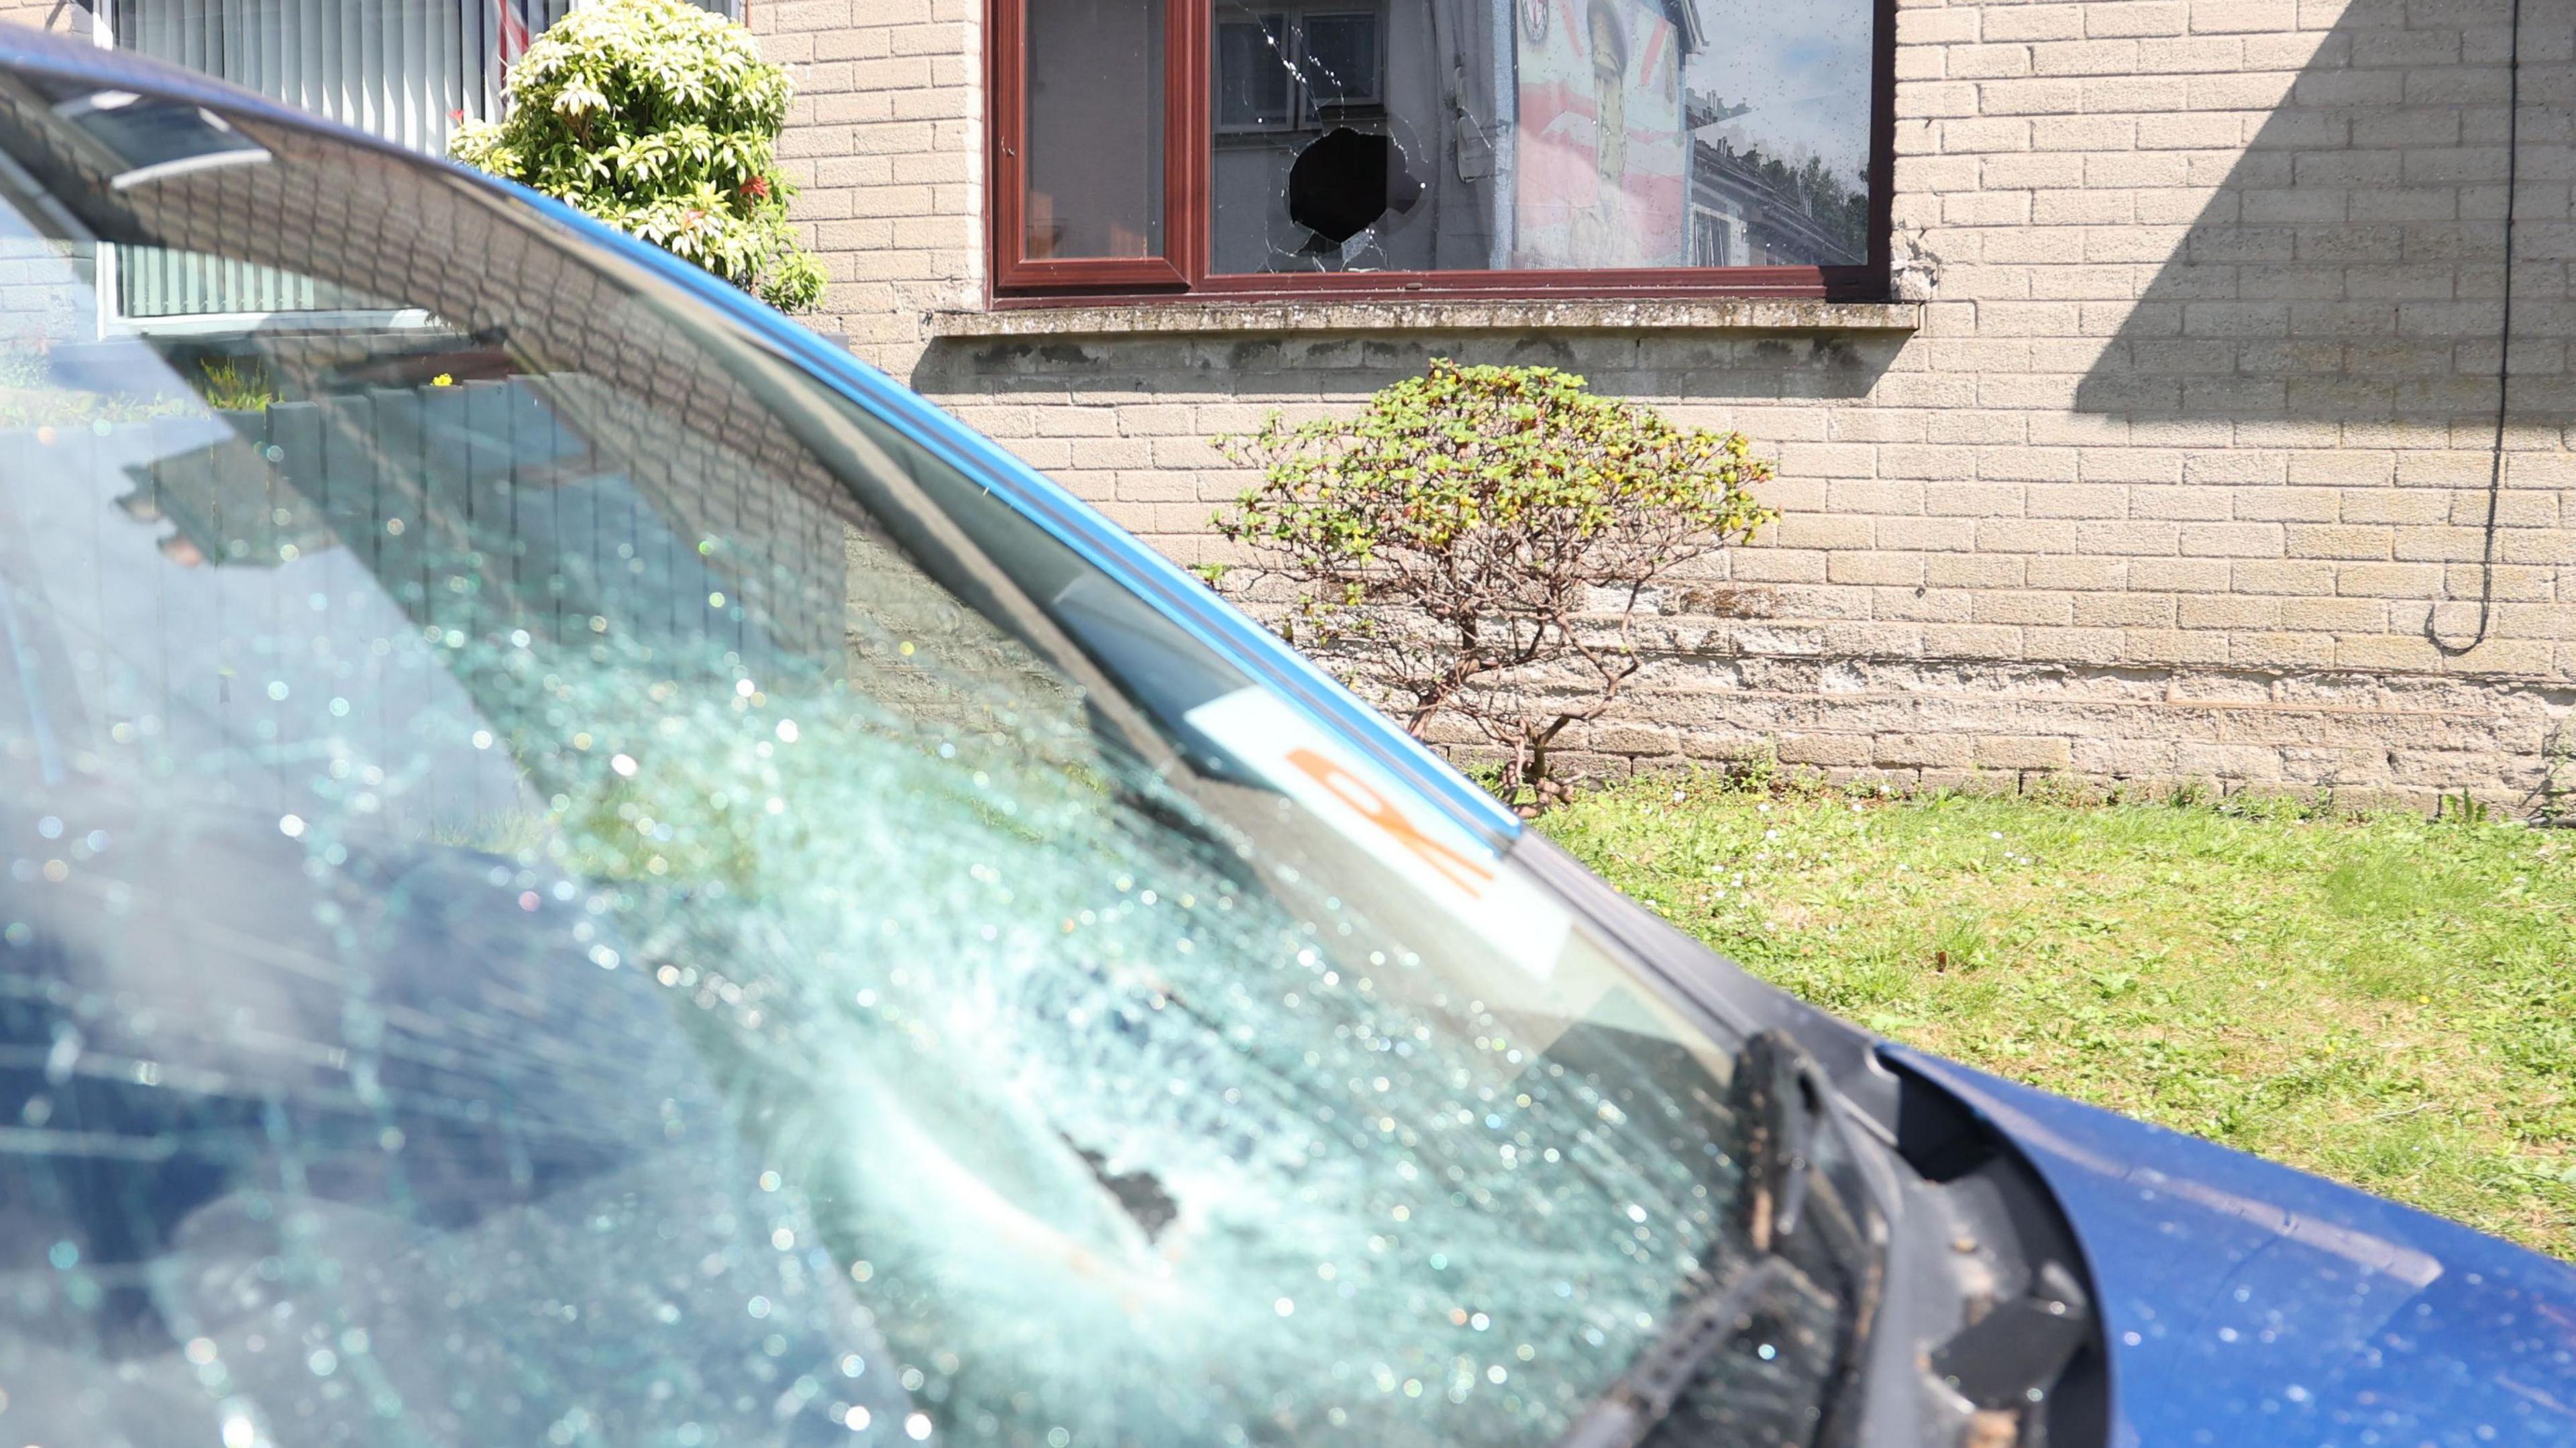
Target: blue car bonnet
(2246, 1303)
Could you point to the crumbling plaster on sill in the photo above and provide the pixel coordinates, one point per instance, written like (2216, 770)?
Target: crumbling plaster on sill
(1449, 315)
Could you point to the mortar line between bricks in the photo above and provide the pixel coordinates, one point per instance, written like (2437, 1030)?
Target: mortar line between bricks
(2042, 701)
(2525, 683)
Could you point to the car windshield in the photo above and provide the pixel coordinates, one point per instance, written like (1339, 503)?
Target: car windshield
(564, 881)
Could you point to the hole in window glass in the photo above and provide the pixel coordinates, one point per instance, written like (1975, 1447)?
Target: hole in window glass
(1347, 182)
(1542, 134)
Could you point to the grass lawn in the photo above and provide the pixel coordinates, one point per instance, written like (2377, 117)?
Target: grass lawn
(2387, 1001)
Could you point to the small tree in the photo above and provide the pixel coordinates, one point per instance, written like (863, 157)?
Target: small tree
(1477, 542)
(660, 119)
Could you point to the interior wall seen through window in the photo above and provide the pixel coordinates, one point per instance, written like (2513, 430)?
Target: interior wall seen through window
(1095, 134)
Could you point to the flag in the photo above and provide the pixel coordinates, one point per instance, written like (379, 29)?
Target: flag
(514, 34)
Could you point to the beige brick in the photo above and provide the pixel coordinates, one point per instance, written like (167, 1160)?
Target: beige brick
(2191, 503)
(1920, 749)
(2088, 57)
(1921, 605)
(2133, 538)
(2228, 761)
(2226, 611)
(2032, 22)
(1973, 570)
(1976, 641)
(2335, 615)
(1880, 568)
(2439, 543)
(2232, 540)
(2305, 541)
(2077, 500)
(1983, 62)
(2124, 610)
(2077, 572)
(2289, 505)
(1825, 749)
(1813, 530)
(2383, 651)
(2303, 577)
(2388, 580)
(1996, 606)
(2274, 16)
(2023, 751)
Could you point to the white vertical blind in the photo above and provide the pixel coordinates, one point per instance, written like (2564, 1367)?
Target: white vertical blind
(406, 70)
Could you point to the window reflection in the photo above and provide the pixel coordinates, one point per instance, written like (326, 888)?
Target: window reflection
(1778, 109)
(1434, 135)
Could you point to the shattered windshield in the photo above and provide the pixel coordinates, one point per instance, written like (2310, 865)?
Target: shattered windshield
(564, 883)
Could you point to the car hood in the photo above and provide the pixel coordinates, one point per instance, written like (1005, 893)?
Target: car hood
(2244, 1302)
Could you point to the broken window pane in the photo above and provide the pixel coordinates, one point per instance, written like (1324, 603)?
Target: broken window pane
(1252, 73)
(1095, 129)
(1442, 135)
(1341, 67)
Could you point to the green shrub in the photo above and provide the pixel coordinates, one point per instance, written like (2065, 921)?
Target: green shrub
(662, 120)
(1478, 542)
(229, 385)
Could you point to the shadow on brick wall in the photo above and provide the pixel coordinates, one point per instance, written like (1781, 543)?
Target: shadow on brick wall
(2350, 268)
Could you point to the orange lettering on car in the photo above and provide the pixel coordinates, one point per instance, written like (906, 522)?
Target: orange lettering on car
(1354, 791)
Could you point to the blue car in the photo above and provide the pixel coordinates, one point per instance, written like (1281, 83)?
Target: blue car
(582, 868)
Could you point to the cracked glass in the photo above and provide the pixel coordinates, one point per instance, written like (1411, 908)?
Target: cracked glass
(1506, 135)
(561, 881)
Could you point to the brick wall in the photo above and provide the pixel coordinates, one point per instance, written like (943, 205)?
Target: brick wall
(887, 140)
(56, 15)
(2184, 469)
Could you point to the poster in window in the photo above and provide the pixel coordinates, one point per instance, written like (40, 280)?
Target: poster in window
(1604, 159)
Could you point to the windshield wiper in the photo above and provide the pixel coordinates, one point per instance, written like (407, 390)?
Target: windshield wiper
(1787, 1110)
(1648, 1392)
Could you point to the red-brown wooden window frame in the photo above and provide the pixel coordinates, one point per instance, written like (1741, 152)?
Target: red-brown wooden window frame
(1184, 164)
(1188, 151)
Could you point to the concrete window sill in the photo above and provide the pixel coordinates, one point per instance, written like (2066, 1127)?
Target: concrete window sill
(1188, 319)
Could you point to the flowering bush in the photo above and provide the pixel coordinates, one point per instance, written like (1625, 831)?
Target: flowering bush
(1477, 542)
(660, 119)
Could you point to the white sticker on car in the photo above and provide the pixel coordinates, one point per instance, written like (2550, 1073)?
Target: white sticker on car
(1366, 805)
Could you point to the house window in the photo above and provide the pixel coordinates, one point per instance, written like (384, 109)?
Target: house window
(1490, 147)
(1095, 149)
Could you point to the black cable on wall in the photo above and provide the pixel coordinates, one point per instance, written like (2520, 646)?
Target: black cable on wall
(2504, 363)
